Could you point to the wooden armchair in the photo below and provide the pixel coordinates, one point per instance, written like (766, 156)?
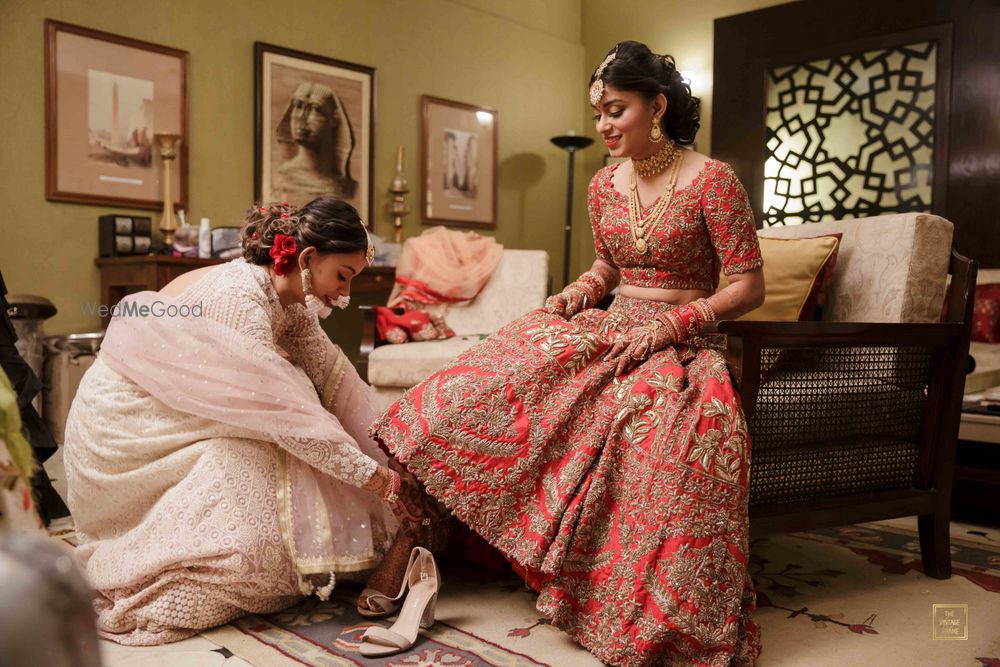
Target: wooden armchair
(854, 421)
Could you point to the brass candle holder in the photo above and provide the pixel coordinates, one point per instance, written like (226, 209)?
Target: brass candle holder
(167, 143)
(398, 207)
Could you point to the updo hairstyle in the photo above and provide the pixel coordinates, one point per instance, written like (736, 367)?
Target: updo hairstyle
(639, 70)
(326, 223)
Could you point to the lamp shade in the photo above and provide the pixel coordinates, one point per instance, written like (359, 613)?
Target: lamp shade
(571, 142)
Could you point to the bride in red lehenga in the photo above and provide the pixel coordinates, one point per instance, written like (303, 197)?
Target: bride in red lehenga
(605, 453)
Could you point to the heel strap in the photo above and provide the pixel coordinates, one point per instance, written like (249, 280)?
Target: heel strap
(385, 637)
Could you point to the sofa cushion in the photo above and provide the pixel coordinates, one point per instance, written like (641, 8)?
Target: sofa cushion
(408, 364)
(890, 268)
(986, 314)
(797, 273)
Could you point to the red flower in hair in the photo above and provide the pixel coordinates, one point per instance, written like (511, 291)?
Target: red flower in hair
(283, 253)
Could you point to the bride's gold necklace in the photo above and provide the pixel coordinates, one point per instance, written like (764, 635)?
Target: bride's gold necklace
(657, 162)
(642, 225)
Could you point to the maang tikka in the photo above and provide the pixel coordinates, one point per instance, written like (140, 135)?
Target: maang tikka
(597, 88)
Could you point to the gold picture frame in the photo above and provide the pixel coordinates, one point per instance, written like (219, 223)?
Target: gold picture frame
(105, 96)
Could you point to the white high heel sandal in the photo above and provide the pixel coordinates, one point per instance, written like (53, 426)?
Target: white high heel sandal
(387, 606)
(424, 582)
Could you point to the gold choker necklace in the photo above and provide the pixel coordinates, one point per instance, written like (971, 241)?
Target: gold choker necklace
(658, 161)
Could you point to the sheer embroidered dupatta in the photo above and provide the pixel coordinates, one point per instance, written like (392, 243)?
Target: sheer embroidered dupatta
(444, 266)
(199, 366)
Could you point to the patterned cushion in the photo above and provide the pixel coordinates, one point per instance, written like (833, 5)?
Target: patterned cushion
(986, 314)
(797, 274)
(890, 268)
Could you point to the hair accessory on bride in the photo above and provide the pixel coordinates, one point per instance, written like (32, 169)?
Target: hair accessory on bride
(597, 88)
(284, 251)
(369, 252)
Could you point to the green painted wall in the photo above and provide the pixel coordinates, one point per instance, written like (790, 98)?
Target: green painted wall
(530, 59)
(523, 57)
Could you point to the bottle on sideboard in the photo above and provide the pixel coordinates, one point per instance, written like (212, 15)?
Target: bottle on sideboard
(204, 239)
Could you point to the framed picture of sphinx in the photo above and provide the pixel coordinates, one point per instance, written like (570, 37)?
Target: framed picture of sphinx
(315, 120)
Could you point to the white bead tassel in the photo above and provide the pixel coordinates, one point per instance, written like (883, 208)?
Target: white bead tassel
(324, 592)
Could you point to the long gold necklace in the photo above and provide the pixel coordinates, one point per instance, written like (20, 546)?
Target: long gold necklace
(642, 225)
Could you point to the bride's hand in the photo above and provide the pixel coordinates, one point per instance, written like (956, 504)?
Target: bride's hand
(637, 345)
(566, 304)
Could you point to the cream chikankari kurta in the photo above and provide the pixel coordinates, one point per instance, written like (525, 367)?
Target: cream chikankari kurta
(198, 494)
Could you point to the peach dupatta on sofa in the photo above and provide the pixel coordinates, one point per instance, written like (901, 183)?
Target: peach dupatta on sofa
(438, 268)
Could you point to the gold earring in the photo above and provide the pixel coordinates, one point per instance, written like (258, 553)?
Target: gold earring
(655, 133)
(307, 286)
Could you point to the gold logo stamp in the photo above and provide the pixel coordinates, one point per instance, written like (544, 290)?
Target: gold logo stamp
(950, 621)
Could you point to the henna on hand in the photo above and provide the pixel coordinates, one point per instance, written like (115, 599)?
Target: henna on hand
(637, 345)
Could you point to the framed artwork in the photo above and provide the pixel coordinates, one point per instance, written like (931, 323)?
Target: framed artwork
(315, 119)
(105, 97)
(458, 163)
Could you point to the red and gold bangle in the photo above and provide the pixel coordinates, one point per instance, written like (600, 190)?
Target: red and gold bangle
(702, 315)
(585, 289)
(596, 281)
(689, 320)
(708, 310)
(679, 325)
(666, 321)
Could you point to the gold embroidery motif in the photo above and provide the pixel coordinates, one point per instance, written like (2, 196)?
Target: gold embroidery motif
(708, 225)
(720, 452)
(553, 340)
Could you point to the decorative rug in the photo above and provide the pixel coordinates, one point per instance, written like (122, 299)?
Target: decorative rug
(842, 596)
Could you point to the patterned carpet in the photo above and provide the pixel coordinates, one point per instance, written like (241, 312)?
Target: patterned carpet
(846, 596)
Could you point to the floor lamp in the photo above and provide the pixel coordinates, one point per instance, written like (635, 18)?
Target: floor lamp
(571, 143)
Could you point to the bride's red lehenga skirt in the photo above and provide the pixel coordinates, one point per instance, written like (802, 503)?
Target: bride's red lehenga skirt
(622, 500)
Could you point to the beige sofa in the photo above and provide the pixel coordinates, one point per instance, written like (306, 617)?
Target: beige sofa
(520, 283)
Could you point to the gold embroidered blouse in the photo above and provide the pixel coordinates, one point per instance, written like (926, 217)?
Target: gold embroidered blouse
(708, 225)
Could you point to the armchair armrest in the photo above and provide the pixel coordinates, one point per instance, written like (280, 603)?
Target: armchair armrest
(746, 340)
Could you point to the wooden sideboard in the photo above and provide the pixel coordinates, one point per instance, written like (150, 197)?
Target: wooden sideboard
(371, 287)
(121, 276)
